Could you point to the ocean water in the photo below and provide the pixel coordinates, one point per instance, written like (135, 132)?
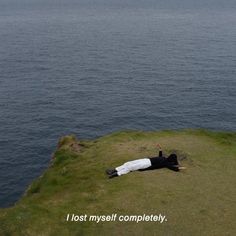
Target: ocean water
(94, 67)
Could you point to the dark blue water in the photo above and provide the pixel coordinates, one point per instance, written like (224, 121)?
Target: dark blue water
(93, 67)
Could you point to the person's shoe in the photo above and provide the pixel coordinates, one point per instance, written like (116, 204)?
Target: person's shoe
(110, 171)
(113, 175)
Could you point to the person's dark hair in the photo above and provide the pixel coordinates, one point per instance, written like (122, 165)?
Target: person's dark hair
(173, 158)
(172, 155)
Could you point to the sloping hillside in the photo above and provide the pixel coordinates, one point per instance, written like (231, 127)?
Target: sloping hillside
(197, 201)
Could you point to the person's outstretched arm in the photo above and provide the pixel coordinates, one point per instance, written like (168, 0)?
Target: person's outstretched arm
(160, 150)
(182, 168)
(172, 167)
(176, 167)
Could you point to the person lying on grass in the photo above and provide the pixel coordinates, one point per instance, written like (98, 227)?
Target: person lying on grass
(158, 162)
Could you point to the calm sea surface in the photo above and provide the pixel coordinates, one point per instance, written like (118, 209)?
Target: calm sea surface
(94, 67)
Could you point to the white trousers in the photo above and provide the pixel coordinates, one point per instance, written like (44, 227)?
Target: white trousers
(133, 165)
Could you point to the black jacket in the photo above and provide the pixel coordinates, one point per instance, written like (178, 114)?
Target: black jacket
(170, 162)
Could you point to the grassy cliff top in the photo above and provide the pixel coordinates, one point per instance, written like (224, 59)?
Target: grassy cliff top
(196, 201)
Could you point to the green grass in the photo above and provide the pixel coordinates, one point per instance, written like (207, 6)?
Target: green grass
(197, 201)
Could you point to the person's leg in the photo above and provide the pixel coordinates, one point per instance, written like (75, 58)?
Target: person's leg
(122, 170)
(133, 165)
